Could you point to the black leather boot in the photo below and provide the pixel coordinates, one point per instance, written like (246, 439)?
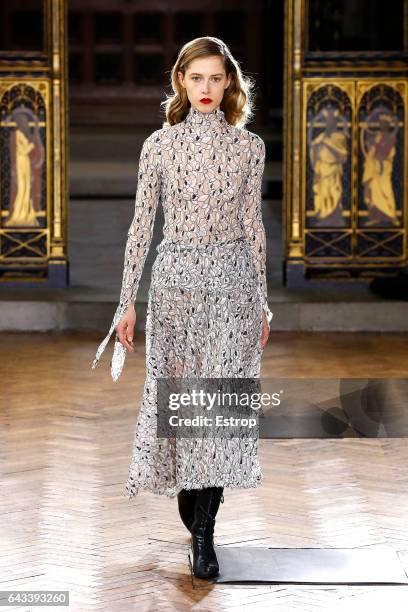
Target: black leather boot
(186, 502)
(205, 564)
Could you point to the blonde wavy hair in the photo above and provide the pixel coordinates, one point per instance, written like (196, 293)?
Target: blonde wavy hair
(237, 103)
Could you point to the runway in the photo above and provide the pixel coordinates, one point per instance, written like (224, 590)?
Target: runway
(66, 434)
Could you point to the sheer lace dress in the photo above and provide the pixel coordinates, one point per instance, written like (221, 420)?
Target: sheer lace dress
(208, 176)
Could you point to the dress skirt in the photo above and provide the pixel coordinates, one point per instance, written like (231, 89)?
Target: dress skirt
(204, 319)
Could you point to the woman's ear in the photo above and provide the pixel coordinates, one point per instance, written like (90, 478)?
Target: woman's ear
(180, 78)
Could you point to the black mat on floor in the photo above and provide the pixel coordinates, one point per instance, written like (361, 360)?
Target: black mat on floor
(309, 565)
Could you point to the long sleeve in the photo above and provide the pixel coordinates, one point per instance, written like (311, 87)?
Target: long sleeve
(252, 217)
(137, 245)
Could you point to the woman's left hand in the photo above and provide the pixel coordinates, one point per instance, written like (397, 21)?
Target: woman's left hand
(265, 330)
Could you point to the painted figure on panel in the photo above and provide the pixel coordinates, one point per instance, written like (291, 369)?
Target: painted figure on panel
(27, 157)
(378, 144)
(328, 153)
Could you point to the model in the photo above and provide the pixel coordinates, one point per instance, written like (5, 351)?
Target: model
(207, 312)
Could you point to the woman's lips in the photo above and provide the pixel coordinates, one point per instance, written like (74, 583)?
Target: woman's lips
(206, 100)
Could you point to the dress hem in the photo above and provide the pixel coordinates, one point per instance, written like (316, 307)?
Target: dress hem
(133, 491)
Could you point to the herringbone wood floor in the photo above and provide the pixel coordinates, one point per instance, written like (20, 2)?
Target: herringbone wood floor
(66, 435)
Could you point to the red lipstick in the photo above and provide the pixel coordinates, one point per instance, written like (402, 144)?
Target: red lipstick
(206, 100)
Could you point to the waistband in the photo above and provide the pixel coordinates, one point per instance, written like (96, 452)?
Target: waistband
(177, 246)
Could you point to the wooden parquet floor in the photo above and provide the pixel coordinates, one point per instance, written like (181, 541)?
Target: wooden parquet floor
(66, 434)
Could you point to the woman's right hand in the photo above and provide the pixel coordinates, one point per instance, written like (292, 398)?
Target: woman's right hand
(125, 328)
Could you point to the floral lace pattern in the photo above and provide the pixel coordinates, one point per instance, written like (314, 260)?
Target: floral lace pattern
(208, 176)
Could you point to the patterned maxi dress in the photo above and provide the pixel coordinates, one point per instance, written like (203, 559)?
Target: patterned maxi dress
(207, 292)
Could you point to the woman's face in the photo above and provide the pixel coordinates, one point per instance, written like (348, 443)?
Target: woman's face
(205, 79)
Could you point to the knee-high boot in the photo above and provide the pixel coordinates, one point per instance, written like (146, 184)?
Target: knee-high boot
(186, 502)
(205, 564)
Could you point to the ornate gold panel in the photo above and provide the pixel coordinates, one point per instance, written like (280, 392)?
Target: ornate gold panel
(354, 204)
(346, 157)
(33, 194)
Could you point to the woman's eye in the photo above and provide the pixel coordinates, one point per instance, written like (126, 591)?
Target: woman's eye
(216, 79)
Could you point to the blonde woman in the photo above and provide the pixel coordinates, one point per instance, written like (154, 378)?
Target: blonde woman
(207, 313)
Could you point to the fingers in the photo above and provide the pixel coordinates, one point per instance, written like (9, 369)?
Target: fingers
(265, 330)
(125, 336)
(265, 334)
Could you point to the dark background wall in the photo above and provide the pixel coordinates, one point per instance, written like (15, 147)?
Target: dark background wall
(121, 52)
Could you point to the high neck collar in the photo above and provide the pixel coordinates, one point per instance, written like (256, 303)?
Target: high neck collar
(197, 118)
